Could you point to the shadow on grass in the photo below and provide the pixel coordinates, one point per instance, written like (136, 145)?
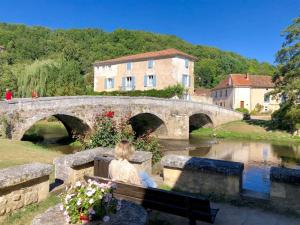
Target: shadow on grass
(267, 124)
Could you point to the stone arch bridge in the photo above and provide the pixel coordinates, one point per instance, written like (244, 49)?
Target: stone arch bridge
(168, 118)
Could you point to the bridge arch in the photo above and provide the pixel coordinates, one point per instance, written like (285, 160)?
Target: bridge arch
(74, 125)
(145, 122)
(198, 120)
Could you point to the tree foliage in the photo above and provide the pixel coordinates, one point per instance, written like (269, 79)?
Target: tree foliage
(75, 50)
(288, 78)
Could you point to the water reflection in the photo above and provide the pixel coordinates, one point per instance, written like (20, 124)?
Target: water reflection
(257, 157)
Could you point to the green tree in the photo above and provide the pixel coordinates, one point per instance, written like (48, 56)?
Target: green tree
(288, 78)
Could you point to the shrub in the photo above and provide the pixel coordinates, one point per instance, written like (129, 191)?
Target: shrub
(257, 109)
(168, 92)
(242, 110)
(107, 133)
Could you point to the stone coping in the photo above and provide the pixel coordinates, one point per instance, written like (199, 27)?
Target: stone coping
(130, 213)
(285, 175)
(202, 164)
(19, 174)
(87, 156)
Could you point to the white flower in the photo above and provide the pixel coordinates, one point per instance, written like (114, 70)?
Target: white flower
(78, 184)
(65, 213)
(61, 207)
(79, 202)
(91, 201)
(89, 181)
(106, 219)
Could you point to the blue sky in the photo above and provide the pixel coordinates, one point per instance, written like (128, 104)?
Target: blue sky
(249, 27)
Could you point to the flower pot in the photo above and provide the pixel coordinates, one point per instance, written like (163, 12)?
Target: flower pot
(84, 219)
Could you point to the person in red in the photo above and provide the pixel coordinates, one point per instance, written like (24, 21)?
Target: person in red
(34, 94)
(8, 95)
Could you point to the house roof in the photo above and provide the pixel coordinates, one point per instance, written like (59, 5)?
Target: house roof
(147, 55)
(202, 92)
(245, 80)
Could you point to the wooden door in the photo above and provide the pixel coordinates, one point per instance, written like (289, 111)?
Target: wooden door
(242, 104)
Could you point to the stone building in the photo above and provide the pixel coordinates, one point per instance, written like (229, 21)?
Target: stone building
(246, 91)
(202, 95)
(150, 70)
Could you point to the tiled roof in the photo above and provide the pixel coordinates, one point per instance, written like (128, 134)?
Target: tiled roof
(244, 80)
(147, 55)
(202, 91)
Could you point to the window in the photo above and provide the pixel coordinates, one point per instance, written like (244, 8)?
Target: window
(216, 94)
(149, 81)
(186, 63)
(129, 66)
(185, 80)
(128, 83)
(226, 93)
(221, 93)
(109, 83)
(267, 98)
(150, 64)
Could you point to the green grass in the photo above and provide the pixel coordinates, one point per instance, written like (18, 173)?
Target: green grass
(25, 215)
(248, 130)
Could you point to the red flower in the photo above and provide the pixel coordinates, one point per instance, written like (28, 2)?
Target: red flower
(110, 114)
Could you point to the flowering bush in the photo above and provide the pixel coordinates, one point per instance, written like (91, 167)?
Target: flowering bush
(89, 201)
(108, 132)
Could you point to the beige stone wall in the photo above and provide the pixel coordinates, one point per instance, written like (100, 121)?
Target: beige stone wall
(257, 96)
(23, 194)
(168, 72)
(202, 98)
(202, 182)
(285, 196)
(223, 100)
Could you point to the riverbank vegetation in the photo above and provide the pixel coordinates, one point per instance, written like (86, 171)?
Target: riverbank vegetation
(59, 62)
(255, 130)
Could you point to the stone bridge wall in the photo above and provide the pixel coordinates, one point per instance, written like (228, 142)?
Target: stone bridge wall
(23, 113)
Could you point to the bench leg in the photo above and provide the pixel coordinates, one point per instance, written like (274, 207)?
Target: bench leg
(192, 221)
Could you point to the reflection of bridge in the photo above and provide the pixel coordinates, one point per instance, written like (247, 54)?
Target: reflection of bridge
(168, 118)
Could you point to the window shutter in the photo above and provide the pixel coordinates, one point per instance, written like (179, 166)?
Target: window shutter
(145, 81)
(133, 82)
(113, 82)
(123, 82)
(154, 80)
(105, 83)
(183, 80)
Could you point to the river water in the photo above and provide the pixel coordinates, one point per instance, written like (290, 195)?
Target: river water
(258, 157)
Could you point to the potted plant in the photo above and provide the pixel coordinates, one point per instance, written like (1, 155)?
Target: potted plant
(92, 200)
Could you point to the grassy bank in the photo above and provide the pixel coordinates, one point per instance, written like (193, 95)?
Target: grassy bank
(21, 152)
(248, 130)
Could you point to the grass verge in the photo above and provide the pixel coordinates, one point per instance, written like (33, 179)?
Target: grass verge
(248, 130)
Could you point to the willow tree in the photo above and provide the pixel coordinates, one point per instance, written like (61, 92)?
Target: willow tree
(50, 78)
(288, 78)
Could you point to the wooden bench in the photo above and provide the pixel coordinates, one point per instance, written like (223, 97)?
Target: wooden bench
(177, 203)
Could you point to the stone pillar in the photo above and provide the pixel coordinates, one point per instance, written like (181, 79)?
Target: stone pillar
(178, 126)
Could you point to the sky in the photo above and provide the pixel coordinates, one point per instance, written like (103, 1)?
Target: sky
(251, 28)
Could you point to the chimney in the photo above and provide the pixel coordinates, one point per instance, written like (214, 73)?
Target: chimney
(247, 76)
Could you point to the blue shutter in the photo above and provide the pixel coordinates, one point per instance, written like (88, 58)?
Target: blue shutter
(154, 80)
(105, 83)
(113, 83)
(133, 82)
(123, 82)
(145, 81)
(183, 80)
